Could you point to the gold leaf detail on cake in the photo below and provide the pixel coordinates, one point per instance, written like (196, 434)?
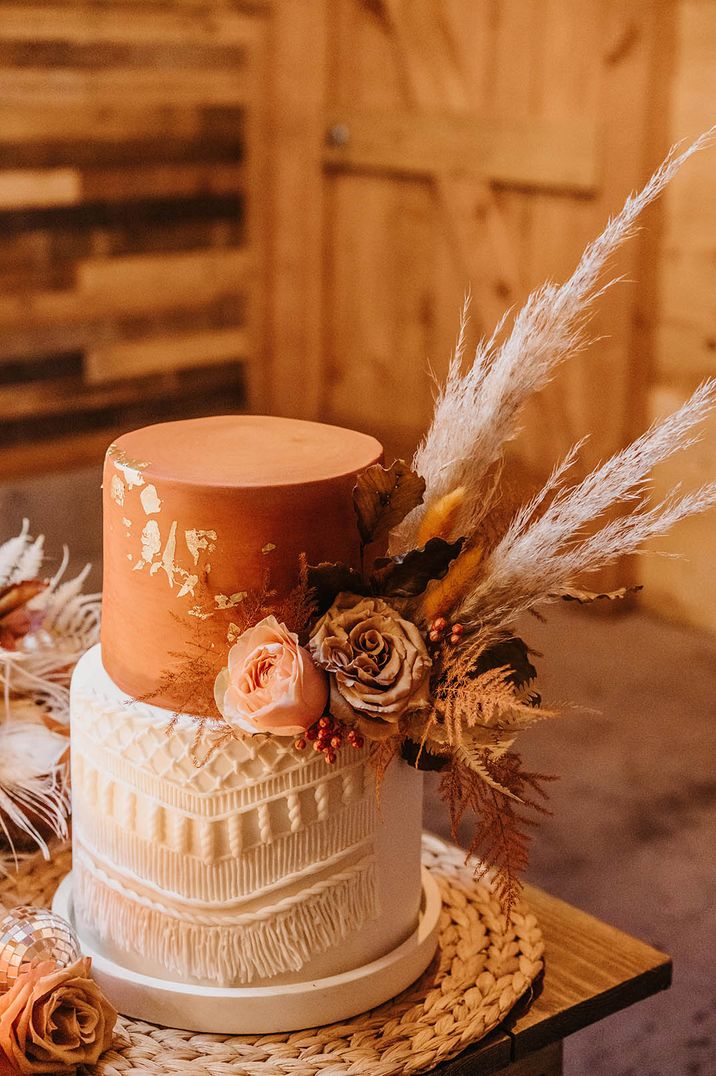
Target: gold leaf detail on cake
(228, 601)
(116, 490)
(131, 469)
(198, 612)
(151, 501)
(187, 587)
(268, 548)
(118, 455)
(197, 540)
(151, 542)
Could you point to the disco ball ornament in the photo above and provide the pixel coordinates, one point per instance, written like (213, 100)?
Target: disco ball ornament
(30, 935)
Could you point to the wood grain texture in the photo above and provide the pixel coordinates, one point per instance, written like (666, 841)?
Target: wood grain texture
(486, 115)
(525, 153)
(131, 148)
(296, 124)
(683, 323)
(591, 970)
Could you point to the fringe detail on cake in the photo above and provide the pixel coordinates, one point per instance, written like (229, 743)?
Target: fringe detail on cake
(237, 873)
(259, 945)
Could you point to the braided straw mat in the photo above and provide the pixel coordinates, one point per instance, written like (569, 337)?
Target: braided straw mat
(482, 967)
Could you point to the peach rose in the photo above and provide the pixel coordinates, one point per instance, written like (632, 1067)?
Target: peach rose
(54, 1019)
(271, 683)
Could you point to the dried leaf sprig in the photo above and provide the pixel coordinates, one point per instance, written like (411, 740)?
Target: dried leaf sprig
(502, 819)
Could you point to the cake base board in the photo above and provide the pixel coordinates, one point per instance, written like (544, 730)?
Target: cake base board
(265, 1010)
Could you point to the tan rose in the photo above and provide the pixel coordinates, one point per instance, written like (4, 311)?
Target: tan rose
(54, 1019)
(271, 683)
(379, 662)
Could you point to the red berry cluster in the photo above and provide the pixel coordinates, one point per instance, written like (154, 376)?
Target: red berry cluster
(328, 735)
(440, 627)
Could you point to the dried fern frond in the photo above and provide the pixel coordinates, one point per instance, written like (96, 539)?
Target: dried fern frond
(485, 711)
(501, 840)
(478, 411)
(294, 609)
(382, 753)
(189, 681)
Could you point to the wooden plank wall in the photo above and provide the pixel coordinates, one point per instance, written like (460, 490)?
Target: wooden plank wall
(532, 124)
(454, 144)
(684, 322)
(129, 251)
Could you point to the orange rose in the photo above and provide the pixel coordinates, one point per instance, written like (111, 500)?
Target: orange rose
(54, 1019)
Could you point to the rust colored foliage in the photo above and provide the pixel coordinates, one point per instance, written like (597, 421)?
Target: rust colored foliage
(500, 841)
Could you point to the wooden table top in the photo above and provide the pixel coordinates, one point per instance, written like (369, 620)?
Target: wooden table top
(591, 970)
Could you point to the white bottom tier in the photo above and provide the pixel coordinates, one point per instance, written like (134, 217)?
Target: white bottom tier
(265, 1010)
(263, 866)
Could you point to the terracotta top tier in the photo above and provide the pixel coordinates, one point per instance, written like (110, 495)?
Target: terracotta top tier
(196, 513)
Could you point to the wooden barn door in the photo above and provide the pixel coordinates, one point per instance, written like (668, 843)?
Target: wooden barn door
(449, 145)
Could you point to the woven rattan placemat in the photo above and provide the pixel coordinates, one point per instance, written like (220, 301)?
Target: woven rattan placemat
(482, 967)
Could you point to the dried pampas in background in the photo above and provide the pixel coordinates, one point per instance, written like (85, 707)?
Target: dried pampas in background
(516, 556)
(477, 411)
(538, 554)
(45, 627)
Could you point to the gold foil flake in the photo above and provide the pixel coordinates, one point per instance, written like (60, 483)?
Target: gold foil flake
(167, 564)
(127, 522)
(197, 540)
(228, 601)
(131, 469)
(151, 542)
(198, 612)
(116, 490)
(188, 585)
(132, 476)
(268, 548)
(151, 502)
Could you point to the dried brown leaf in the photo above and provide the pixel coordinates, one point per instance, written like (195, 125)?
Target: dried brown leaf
(574, 594)
(327, 580)
(16, 620)
(383, 496)
(407, 575)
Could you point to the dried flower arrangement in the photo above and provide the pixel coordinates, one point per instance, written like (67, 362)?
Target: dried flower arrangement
(45, 627)
(416, 653)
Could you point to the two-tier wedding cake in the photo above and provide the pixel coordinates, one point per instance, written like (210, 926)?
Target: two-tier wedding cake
(239, 859)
